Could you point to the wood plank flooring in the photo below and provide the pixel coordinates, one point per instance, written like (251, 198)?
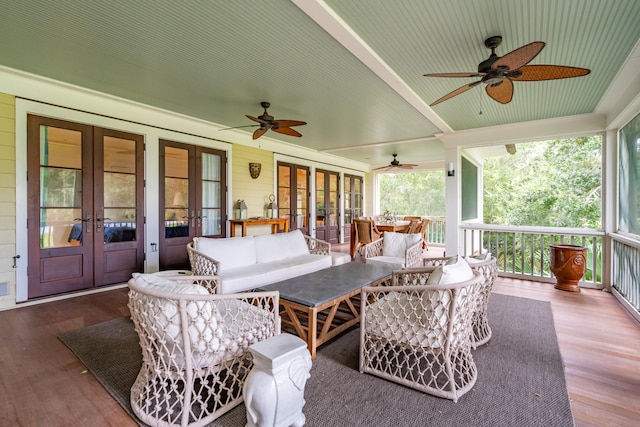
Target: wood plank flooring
(43, 384)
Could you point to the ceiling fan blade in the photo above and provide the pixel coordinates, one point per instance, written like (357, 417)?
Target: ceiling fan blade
(455, 92)
(286, 131)
(289, 123)
(519, 57)
(259, 132)
(532, 73)
(255, 119)
(408, 165)
(454, 75)
(502, 92)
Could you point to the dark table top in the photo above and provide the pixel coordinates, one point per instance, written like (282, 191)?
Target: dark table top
(321, 286)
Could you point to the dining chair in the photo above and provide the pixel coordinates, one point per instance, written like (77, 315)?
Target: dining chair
(366, 232)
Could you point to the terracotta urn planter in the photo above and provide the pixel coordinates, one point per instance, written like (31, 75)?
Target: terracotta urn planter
(568, 264)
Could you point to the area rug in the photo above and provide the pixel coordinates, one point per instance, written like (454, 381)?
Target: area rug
(520, 376)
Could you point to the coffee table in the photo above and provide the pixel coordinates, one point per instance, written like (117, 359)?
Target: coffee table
(320, 305)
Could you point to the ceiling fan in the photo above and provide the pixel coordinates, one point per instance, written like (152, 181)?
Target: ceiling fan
(498, 73)
(395, 163)
(267, 122)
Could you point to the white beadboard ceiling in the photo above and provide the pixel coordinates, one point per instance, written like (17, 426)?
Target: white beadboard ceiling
(352, 69)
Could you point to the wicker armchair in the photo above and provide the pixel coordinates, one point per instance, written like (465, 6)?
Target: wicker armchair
(194, 345)
(419, 335)
(366, 232)
(404, 252)
(489, 270)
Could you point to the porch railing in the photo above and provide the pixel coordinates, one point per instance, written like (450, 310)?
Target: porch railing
(625, 259)
(436, 231)
(524, 252)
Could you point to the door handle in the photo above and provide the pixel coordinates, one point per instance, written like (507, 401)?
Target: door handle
(98, 220)
(83, 220)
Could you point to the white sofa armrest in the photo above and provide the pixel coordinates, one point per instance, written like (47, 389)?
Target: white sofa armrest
(317, 246)
(201, 264)
(210, 283)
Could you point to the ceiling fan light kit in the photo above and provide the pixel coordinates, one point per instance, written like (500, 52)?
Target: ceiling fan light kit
(499, 73)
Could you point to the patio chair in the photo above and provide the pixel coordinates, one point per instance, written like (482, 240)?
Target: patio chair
(366, 232)
(417, 332)
(488, 268)
(194, 344)
(397, 250)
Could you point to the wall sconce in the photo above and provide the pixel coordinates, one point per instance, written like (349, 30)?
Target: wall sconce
(451, 171)
(254, 169)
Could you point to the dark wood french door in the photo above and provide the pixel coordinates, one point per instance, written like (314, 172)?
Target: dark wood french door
(85, 206)
(352, 203)
(327, 206)
(192, 199)
(293, 195)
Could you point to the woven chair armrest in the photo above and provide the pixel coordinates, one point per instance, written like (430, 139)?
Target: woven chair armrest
(317, 246)
(201, 264)
(435, 262)
(373, 249)
(211, 283)
(413, 256)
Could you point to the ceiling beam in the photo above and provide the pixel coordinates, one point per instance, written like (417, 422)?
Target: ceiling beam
(326, 18)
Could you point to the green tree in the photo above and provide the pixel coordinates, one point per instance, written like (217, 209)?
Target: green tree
(413, 193)
(549, 183)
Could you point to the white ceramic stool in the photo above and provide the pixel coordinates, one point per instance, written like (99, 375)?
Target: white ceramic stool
(274, 389)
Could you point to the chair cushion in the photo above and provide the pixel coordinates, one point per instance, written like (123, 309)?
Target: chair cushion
(232, 252)
(451, 273)
(396, 244)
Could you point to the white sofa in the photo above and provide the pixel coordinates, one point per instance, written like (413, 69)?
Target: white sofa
(245, 263)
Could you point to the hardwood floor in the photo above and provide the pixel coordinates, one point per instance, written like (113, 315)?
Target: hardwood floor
(43, 384)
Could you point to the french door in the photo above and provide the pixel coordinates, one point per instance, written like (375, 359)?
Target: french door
(352, 203)
(85, 206)
(293, 195)
(327, 206)
(192, 199)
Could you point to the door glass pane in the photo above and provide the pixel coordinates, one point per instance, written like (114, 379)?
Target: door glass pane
(284, 191)
(60, 187)
(210, 217)
(119, 177)
(176, 192)
(301, 203)
(320, 199)
(347, 200)
(333, 200)
(211, 222)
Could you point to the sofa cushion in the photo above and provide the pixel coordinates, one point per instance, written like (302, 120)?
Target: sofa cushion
(276, 247)
(232, 252)
(250, 277)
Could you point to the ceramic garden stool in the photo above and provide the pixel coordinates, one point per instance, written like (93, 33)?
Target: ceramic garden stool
(274, 389)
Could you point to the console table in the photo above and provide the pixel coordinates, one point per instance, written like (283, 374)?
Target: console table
(281, 224)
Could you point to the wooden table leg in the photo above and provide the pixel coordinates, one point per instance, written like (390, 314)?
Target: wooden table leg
(312, 332)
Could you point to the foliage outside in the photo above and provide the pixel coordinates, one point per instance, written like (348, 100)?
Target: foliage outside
(413, 193)
(547, 184)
